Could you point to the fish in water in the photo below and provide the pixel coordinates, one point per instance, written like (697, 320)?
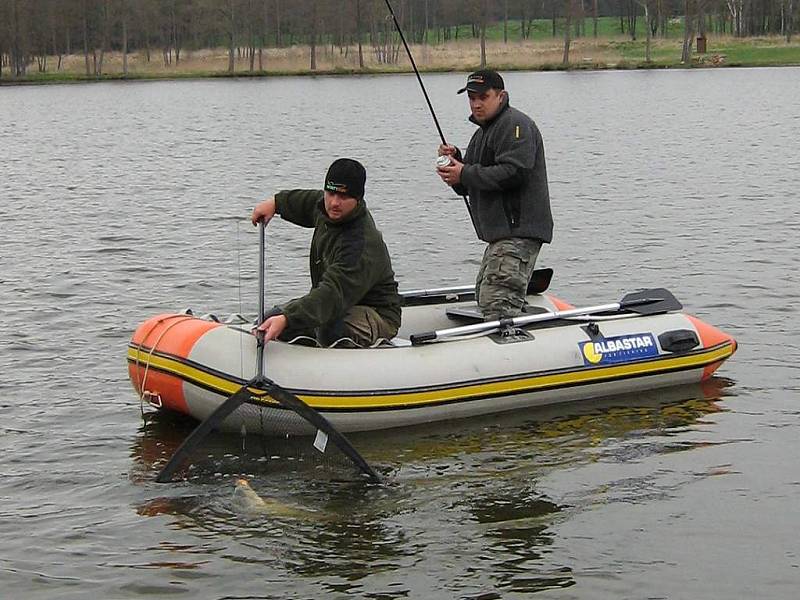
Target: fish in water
(246, 500)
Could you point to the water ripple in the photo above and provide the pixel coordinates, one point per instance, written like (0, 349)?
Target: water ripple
(620, 496)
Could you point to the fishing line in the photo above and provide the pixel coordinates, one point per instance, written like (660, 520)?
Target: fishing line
(256, 391)
(425, 93)
(416, 71)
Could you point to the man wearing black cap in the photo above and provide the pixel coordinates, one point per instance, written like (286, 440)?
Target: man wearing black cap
(505, 176)
(353, 290)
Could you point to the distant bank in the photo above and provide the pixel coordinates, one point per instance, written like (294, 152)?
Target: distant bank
(540, 55)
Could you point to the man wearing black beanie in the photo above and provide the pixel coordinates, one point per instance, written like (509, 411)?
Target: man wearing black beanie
(353, 290)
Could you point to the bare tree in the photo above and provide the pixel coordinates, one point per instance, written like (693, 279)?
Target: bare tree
(264, 31)
(688, 31)
(85, 21)
(384, 38)
(229, 14)
(359, 34)
(18, 39)
(42, 31)
(567, 30)
(313, 35)
(123, 18)
(105, 35)
(645, 4)
(631, 18)
(252, 20)
(278, 28)
(736, 8)
(505, 21)
(4, 19)
(788, 24)
(483, 17)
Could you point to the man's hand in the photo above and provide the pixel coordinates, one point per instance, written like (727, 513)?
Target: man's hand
(272, 327)
(264, 211)
(447, 150)
(451, 174)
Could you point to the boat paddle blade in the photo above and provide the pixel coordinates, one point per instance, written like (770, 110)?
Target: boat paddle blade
(212, 422)
(540, 281)
(650, 302)
(323, 427)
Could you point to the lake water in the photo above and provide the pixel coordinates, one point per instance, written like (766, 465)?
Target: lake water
(122, 200)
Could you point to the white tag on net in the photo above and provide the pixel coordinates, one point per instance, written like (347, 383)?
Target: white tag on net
(321, 441)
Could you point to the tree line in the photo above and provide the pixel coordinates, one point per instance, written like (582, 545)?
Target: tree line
(37, 34)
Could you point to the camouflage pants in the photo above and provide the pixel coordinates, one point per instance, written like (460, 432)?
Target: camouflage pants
(502, 282)
(361, 324)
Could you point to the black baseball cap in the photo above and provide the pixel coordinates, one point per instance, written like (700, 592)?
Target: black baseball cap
(346, 176)
(483, 80)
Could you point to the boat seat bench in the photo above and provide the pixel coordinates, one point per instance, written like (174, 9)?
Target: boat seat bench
(472, 314)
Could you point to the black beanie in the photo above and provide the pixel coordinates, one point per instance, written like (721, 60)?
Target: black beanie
(346, 176)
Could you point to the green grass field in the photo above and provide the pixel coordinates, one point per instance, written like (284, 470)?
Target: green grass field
(732, 51)
(758, 52)
(542, 29)
(665, 51)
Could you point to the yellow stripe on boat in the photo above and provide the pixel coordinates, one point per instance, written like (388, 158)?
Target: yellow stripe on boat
(449, 393)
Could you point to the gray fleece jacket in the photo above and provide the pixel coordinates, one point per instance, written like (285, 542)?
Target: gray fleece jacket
(505, 176)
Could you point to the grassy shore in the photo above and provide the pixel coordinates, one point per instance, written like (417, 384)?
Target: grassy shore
(542, 54)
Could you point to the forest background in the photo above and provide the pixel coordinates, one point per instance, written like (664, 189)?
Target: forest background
(57, 40)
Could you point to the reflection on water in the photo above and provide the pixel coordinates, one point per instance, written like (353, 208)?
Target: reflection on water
(535, 435)
(515, 526)
(159, 223)
(487, 476)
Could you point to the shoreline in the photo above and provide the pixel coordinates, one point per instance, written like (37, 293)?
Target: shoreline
(607, 54)
(69, 78)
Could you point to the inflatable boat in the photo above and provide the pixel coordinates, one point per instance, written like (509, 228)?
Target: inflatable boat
(446, 363)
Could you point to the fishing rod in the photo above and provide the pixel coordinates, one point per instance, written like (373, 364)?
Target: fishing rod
(425, 93)
(416, 71)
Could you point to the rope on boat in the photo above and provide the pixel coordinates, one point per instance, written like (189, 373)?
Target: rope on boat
(141, 382)
(299, 338)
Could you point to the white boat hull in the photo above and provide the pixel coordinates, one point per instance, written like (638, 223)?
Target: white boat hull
(190, 365)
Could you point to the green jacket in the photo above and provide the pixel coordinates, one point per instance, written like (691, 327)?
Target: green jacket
(349, 263)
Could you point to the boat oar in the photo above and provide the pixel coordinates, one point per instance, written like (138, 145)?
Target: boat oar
(261, 385)
(645, 302)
